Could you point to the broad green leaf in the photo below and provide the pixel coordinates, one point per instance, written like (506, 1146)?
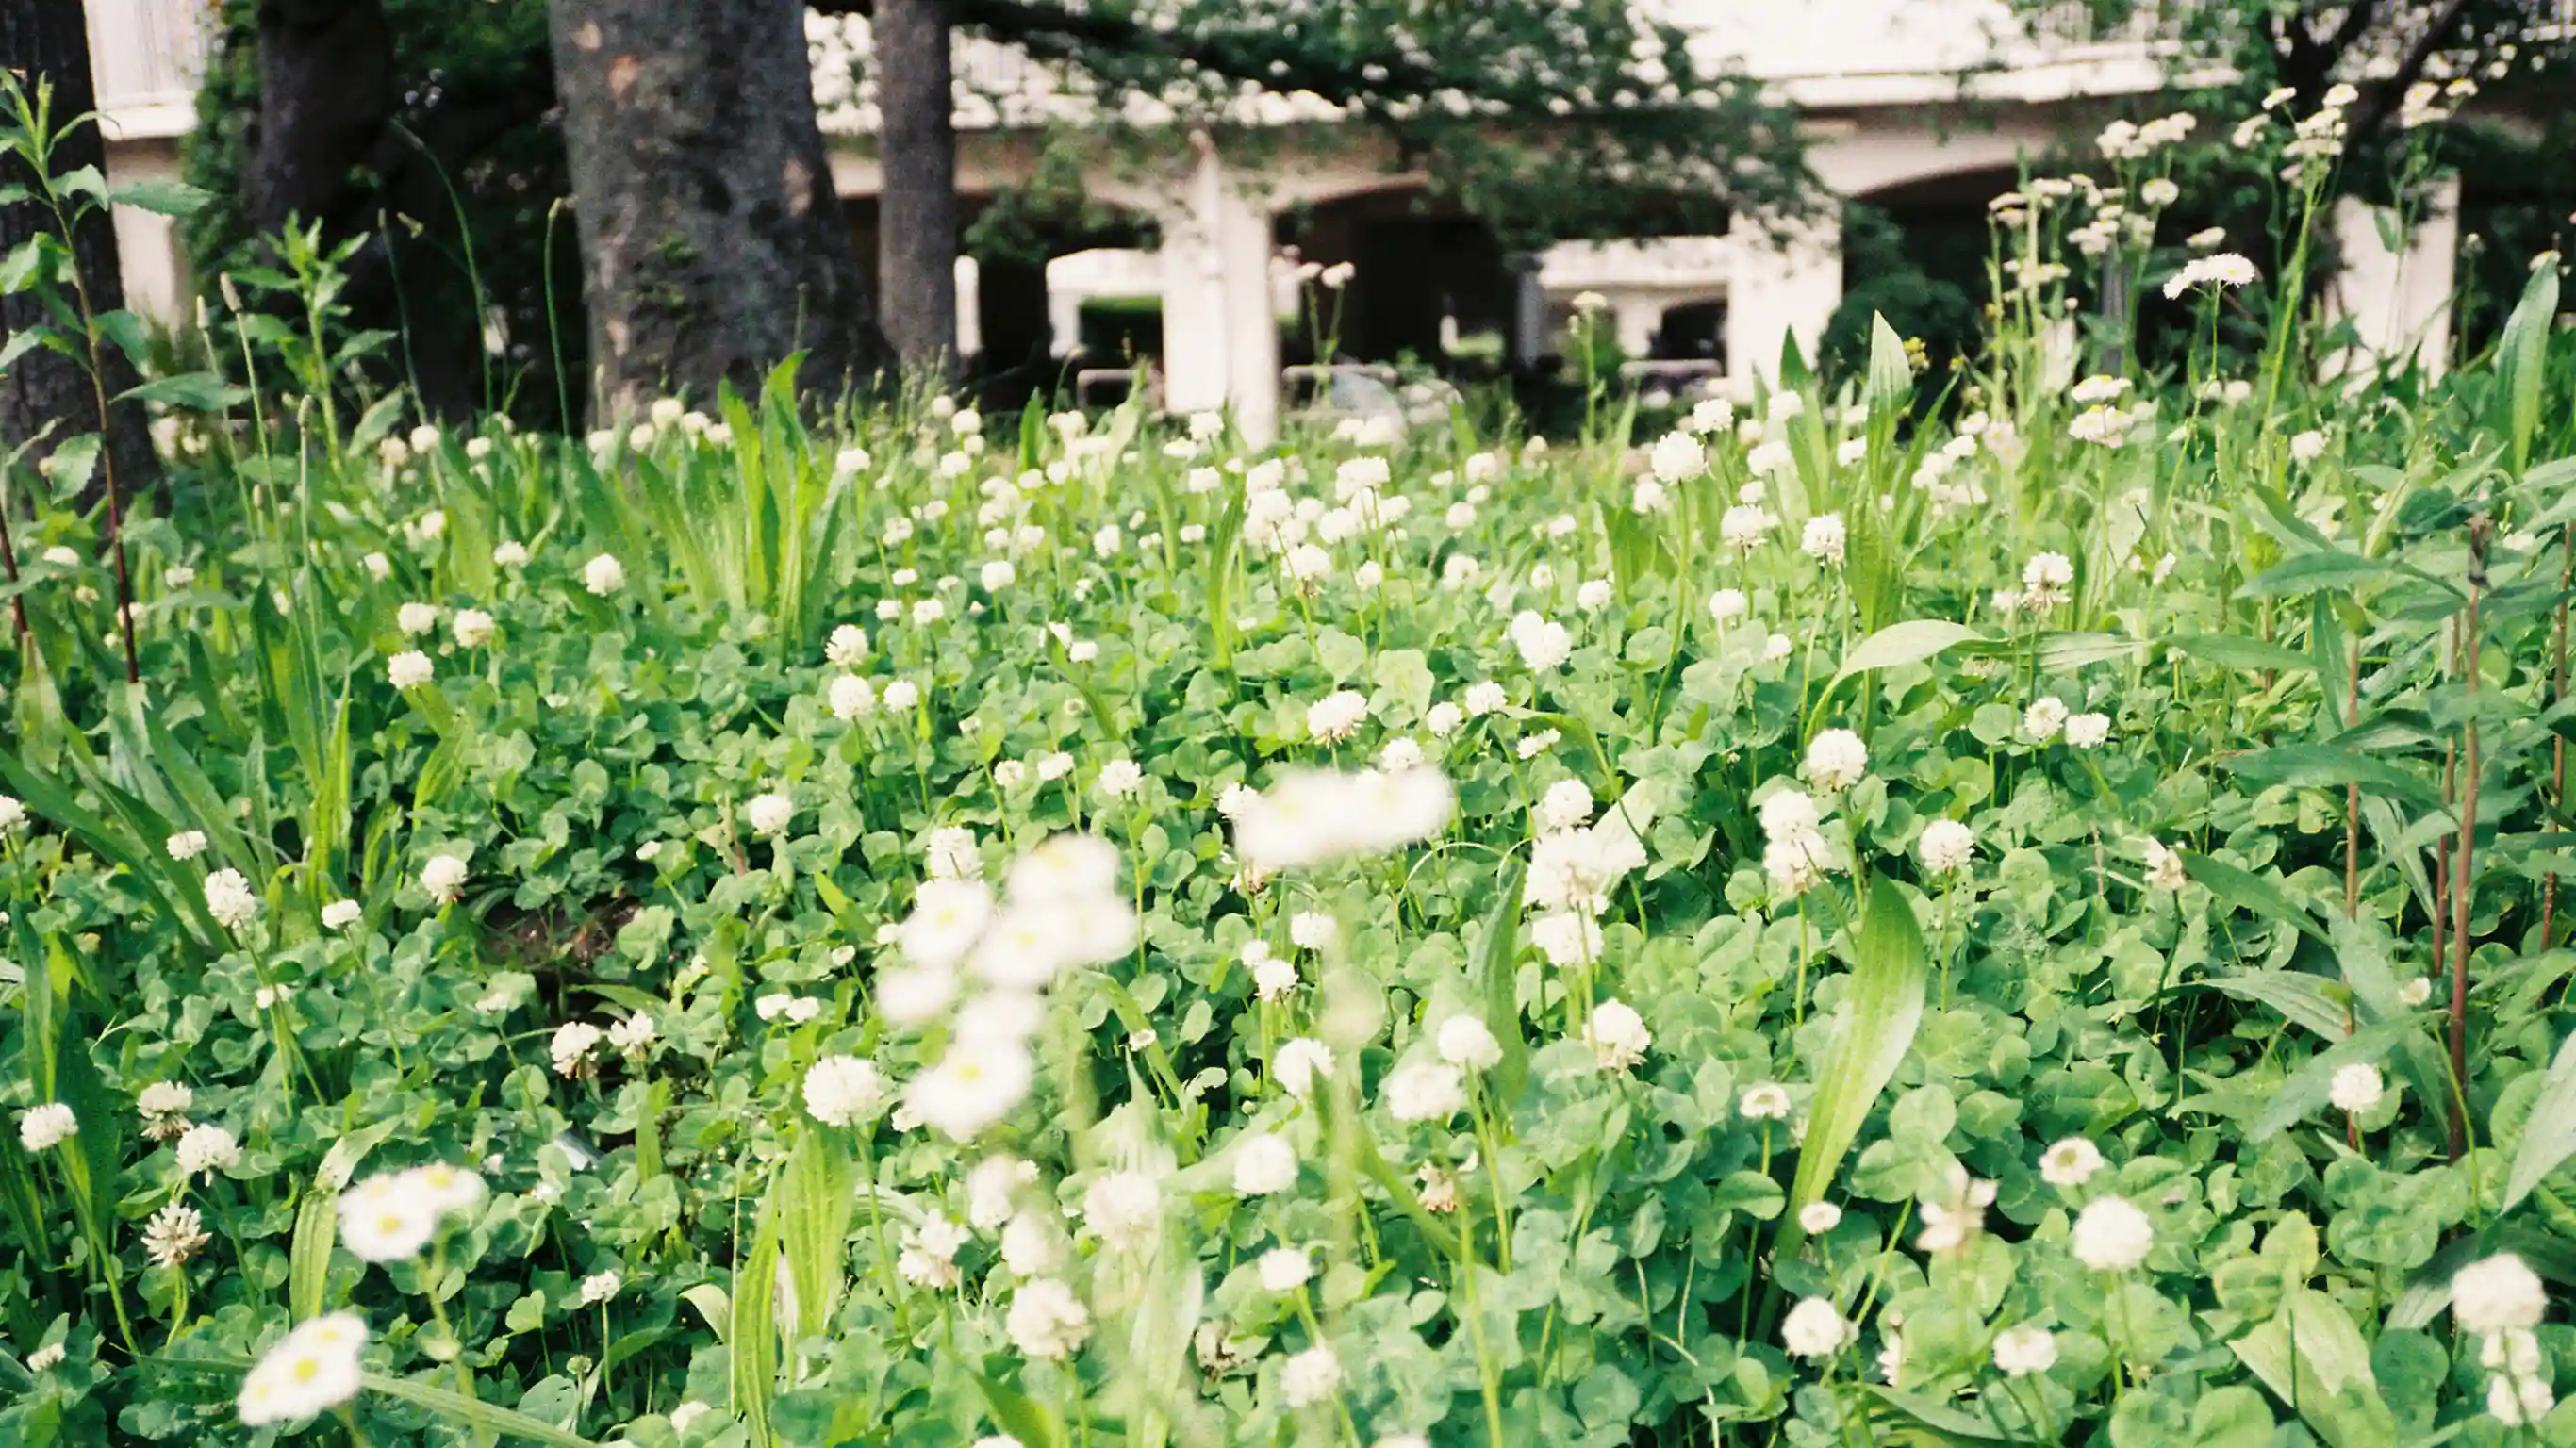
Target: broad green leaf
(2315, 766)
(197, 391)
(473, 1413)
(1910, 642)
(2549, 1135)
(2311, 1356)
(161, 196)
(1884, 1006)
(2522, 363)
(2251, 656)
(308, 1263)
(1497, 972)
(2252, 894)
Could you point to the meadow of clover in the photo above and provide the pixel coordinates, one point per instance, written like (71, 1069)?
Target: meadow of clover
(2017, 908)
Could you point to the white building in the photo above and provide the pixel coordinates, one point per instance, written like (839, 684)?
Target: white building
(1895, 94)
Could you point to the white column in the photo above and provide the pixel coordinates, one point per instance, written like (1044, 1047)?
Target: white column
(1220, 336)
(153, 263)
(1776, 290)
(970, 308)
(2398, 298)
(1638, 315)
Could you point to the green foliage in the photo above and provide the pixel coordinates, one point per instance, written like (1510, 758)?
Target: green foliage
(748, 930)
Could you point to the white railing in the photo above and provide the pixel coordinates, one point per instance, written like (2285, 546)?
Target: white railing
(145, 56)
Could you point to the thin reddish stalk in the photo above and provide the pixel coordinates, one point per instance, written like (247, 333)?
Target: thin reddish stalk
(2461, 877)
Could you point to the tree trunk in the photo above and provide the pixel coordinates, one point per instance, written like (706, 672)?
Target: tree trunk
(917, 147)
(325, 94)
(712, 243)
(48, 41)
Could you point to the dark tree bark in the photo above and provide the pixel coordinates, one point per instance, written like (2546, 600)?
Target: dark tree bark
(325, 94)
(917, 146)
(712, 243)
(48, 40)
(328, 149)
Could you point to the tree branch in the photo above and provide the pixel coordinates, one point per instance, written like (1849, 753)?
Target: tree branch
(2384, 98)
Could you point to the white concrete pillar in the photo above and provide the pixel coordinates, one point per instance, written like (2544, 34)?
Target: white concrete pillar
(2398, 298)
(1779, 289)
(1637, 318)
(970, 308)
(1220, 336)
(153, 263)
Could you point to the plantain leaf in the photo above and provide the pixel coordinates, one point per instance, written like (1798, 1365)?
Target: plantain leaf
(2549, 1136)
(1886, 1005)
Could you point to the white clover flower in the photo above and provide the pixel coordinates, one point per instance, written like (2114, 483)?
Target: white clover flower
(1310, 1377)
(2044, 718)
(1594, 595)
(2022, 1351)
(443, 877)
(2518, 1400)
(1744, 526)
(2046, 581)
(2498, 1294)
(186, 845)
(1424, 1091)
(1298, 1063)
(2415, 992)
(409, 669)
(2070, 1163)
(1542, 643)
(852, 697)
(770, 814)
(1264, 1165)
(571, 1045)
(230, 899)
(1952, 1222)
(174, 1234)
(510, 553)
(1678, 457)
(2165, 868)
(378, 566)
(416, 619)
(1618, 1035)
(901, 695)
(1568, 938)
(843, 1090)
(1124, 1209)
(1836, 760)
(1567, 803)
(1273, 976)
(1824, 539)
(46, 1126)
(1728, 604)
(2307, 447)
(1284, 1269)
(1814, 1329)
(1482, 698)
(2088, 730)
(1464, 1041)
(1336, 716)
(2112, 1235)
(603, 575)
(2355, 1087)
(1944, 846)
(13, 815)
(206, 1148)
(1763, 1101)
(598, 1287)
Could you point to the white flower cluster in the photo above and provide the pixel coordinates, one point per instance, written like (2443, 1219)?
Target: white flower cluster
(392, 1215)
(1795, 854)
(314, 1370)
(1060, 910)
(1310, 816)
